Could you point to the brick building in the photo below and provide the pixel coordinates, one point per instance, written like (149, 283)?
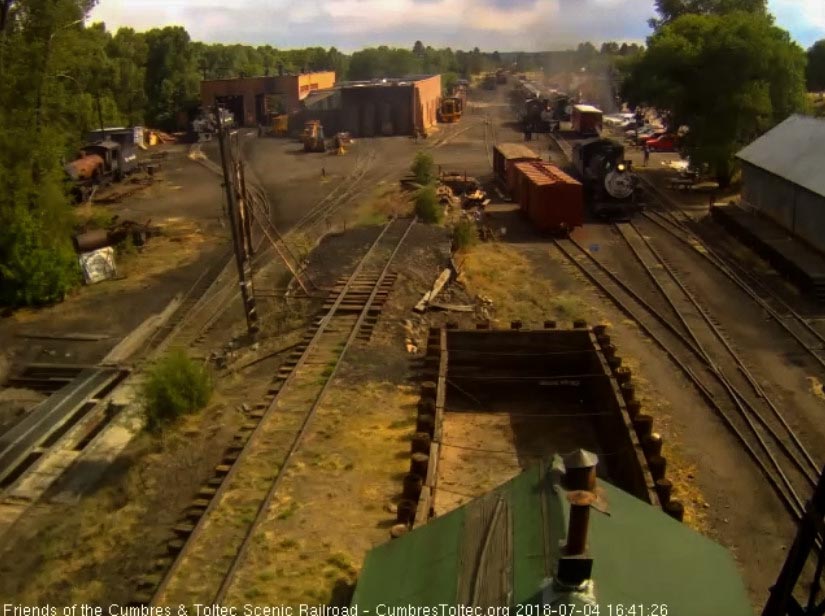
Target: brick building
(375, 108)
(252, 99)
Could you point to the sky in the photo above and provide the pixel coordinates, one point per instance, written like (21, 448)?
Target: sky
(503, 25)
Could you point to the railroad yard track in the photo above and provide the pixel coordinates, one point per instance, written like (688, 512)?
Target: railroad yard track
(221, 534)
(696, 344)
(811, 340)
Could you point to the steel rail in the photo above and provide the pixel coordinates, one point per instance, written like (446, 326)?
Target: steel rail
(172, 570)
(735, 394)
(813, 471)
(265, 504)
(727, 267)
(692, 377)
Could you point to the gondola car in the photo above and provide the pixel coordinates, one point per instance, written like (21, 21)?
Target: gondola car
(611, 187)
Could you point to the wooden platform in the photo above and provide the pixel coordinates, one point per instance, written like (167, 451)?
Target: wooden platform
(791, 256)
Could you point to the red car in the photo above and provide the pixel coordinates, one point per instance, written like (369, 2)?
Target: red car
(663, 143)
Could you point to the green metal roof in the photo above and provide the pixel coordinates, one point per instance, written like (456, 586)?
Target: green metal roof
(502, 549)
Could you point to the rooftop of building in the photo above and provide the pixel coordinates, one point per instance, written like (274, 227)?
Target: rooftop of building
(507, 548)
(386, 81)
(792, 150)
(276, 76)
(587, 108)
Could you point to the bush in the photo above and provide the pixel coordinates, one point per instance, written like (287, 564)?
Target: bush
(37, 266)
(423, 168)
(175, 385)
(465, 234)
(427, 207)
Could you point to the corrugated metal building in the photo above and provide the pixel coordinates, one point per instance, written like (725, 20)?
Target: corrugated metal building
(784, 177)
(514, 547)
(375, 108)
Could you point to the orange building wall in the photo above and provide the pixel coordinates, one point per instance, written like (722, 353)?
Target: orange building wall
(428, 99)
(291, 88)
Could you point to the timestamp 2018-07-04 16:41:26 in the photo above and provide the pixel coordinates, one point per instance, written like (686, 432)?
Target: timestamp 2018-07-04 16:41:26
(596, 609)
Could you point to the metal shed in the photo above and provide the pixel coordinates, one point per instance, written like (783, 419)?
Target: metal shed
(505, 549)
(783, 177)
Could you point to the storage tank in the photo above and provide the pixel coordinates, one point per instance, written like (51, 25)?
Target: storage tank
(551, 199)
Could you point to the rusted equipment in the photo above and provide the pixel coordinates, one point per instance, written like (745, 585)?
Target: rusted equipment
(99, 238)
(100, 163)
(580, 502)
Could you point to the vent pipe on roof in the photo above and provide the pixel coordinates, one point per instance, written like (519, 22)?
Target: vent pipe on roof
(575, 566)
(580, 501)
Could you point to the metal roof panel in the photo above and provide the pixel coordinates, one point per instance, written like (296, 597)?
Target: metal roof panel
(794, 150)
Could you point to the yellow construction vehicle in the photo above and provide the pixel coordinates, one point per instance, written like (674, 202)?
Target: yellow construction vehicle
(313, 137)
(450, 110)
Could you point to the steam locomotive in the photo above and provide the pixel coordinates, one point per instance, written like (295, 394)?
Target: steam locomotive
(541, 111)
(100, 163)
(611, 187)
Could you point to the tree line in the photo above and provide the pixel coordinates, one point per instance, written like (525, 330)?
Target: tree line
(723, 69)
(60, 77)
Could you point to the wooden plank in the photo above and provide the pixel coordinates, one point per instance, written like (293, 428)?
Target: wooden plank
(422, 512)
(430, 295)
(453, 307)
(441, 387)
(432, 468)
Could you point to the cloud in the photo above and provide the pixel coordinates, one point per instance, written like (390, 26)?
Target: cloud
(505, 25)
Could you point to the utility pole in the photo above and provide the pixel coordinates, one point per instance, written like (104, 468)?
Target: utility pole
(238, 241)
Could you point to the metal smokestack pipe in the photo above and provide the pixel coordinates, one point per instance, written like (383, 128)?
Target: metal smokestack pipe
(580, 501)
(580, 470)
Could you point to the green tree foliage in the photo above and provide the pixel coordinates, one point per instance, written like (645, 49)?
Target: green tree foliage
(39, 39)
(427, 207)
(728, 78)
(816, 67)
(670, 10)
(174, 386)
(423, 168)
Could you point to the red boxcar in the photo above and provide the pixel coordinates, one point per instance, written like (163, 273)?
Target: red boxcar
(504, 156)
(551, 199)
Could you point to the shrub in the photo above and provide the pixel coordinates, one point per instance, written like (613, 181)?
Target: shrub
(37, 266)
(465, 234)
(423, 168)
(427, 207)
(174, 385)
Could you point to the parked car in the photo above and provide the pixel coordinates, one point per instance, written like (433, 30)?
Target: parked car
(646, 132)
(643, 139)
(662, 143)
